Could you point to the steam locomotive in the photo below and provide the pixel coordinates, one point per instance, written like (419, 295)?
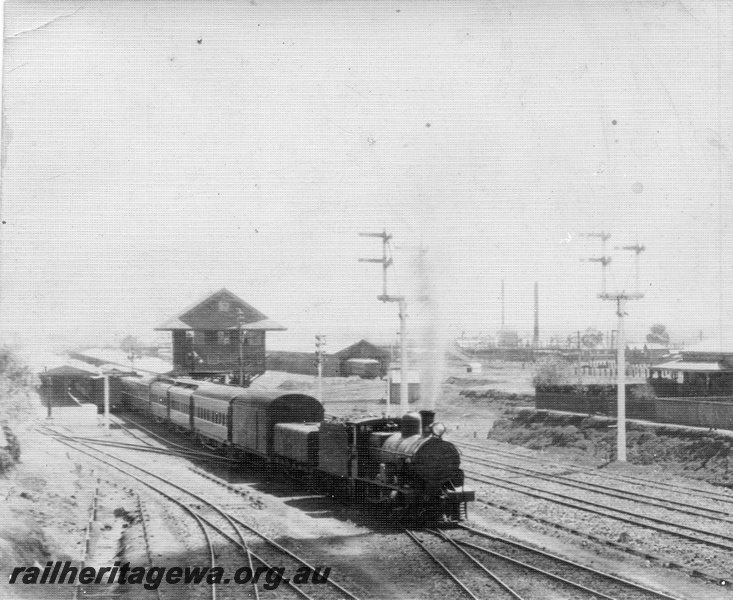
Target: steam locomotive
(402, 464)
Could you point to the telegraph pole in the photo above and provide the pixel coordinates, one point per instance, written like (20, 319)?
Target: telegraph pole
(106, 403)
(240, 325)
(320, 357)
(386, 262)
(620, 299)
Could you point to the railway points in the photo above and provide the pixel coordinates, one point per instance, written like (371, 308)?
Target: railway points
(584, 576)
(150, 429)
(217, 511)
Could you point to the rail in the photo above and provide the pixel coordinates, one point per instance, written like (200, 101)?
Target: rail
(200, 517)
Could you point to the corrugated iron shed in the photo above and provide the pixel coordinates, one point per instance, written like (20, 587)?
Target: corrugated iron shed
(363, 349)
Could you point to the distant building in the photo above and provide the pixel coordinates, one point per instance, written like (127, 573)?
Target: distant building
(647, 352)
(362, 359)
(219, 336)
(705, 369)
(351, 359)
(475, 342)
(506, 338)
(57, 383)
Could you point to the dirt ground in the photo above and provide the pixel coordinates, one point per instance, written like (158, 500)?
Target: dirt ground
(47, 499)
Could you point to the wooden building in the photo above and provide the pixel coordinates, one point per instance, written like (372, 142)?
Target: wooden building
(705, 370)
(220, 337)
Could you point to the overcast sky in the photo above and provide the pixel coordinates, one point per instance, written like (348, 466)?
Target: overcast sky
(157, 150)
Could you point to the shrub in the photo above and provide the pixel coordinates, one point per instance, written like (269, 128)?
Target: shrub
(13, 447)
(16, 387)
(553, 370)
(6, 461)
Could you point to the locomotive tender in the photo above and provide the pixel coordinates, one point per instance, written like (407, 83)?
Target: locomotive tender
(403, 464)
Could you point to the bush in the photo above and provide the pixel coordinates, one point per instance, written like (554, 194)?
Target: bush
(642, 392)
(6, 461)
(16, 387)
(13, 447)
(553, 370)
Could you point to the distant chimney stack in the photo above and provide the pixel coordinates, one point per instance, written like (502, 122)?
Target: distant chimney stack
(536, 338)
(502, 305)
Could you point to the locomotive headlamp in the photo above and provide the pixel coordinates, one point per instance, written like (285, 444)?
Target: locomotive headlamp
(438, 429)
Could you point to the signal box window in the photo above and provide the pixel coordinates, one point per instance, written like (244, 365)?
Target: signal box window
(223, 338)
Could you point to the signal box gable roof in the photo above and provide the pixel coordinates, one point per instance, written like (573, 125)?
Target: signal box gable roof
(220, 311)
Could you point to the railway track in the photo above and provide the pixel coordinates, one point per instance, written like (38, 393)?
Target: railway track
(664, 523)
(720, 497)
(218, 520)
(237, 539)
(165, 441)
(566, 574)
(604, 541)
(715, 540)
(153, 449)
(507, 569)
(638, 497)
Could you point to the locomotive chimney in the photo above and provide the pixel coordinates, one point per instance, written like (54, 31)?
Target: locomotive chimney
(411, 425)
(428, 418)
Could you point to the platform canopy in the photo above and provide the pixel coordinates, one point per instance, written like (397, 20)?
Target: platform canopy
(698, 367)
(70, 372)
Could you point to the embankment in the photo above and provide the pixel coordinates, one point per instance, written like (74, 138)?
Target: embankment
(701, 454)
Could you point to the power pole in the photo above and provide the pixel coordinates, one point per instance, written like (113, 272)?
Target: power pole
(240, 325)
(621, 298)
(49, 394)
(106, 403)
(386, 263)
(320, 357)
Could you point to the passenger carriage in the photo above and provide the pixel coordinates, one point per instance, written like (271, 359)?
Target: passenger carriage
(180, 403)
(159, 398)
(135, 393)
